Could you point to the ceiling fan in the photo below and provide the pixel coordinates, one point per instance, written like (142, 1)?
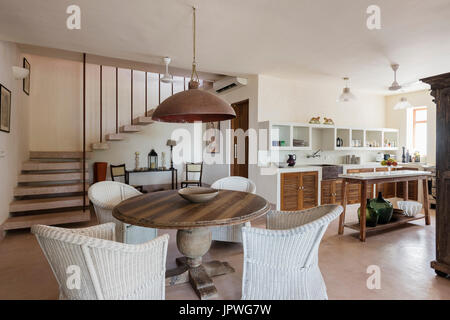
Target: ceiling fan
(395, 86)
(167, 77)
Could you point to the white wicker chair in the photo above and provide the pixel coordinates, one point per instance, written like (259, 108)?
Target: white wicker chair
(282, 263)
(108, 270)
(105, 196)
(232, 233)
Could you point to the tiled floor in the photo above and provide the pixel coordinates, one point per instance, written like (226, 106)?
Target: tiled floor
(403, 255)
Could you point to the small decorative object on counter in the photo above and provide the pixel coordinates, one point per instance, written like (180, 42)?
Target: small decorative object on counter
(136, 161)
(371, 215)
(383, 208)
(417, 156)
(328, 121)
(291, 160)
(389, 162)
(152, 160)
(404, 155)
(315, 120)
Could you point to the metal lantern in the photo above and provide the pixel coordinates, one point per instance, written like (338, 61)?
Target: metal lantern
(153, 160)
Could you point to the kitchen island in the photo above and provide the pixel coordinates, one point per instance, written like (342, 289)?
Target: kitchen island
(371, 178)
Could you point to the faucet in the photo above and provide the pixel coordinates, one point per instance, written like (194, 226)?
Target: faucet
(315, 154)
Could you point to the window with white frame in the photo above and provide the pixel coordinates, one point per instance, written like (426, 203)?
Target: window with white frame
(417, 129)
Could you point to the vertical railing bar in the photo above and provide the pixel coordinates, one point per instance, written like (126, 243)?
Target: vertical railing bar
(84, 133)
(101, 103)
(117, 100)
(159, 88)
(131, 96)
(146, 93)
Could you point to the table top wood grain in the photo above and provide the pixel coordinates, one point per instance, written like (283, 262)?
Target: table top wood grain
(168, 210)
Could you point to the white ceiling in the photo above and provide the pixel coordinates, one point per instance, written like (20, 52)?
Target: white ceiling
(321, 40)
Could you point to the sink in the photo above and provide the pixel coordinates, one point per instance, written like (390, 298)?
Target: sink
(330, 171)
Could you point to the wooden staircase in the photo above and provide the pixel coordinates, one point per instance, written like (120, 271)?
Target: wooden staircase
(134, 127)
(49, 191)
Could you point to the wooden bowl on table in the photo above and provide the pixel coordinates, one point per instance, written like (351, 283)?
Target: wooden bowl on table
(198, 194)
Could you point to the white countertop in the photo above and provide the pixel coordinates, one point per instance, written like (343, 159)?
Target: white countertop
(385, 174)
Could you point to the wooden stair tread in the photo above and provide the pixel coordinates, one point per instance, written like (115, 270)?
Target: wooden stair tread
(130, 129)
(36, 165)
(100, 146)
(21, 222)
(49, 189)
(58, 155)
(143, 121)
(48, 177)
(47, 203)
(114, 137)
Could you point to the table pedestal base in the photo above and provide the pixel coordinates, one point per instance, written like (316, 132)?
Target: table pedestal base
(193, 244)
(199, 277)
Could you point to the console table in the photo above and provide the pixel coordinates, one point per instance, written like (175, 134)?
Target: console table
(371, 178)
(173, 170)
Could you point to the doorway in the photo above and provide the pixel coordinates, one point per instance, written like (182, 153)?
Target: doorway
(240, 122)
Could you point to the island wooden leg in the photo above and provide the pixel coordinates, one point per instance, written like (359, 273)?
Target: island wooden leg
(362, 223)
(405, 190)
(344, 204)
(426, 205)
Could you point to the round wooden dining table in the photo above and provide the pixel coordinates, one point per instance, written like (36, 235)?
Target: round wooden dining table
(168, 210)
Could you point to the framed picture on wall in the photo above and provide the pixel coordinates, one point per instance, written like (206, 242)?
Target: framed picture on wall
(5, 109)
(213, 137)
(26, 80)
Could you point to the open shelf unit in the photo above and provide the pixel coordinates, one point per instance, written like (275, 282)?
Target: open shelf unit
(291, 136)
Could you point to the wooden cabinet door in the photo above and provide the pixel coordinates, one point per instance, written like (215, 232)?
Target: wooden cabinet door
(309, 190)
(338, 191)
(386, 189)
(354, 190)
(413, 187)
(326, 192)
(331, 192)
(290, 191)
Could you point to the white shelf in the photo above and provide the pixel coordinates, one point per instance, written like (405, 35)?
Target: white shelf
(321, 136)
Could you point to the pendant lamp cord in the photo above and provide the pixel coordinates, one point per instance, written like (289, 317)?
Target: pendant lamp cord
(194, 75)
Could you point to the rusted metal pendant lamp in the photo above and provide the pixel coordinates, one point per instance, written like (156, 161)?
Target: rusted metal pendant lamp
(193, 105)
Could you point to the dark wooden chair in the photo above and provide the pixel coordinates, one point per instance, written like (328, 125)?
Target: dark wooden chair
(120, 171)
(193, 169)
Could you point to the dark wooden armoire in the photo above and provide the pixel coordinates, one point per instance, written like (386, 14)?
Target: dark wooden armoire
(440, 86)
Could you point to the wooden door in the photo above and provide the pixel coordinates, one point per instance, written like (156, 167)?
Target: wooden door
(331, 192)
(338, 192)
(240, 122)
(413, 187)
(309, 190)
(326, 192)
(290, 191)
(354, 190)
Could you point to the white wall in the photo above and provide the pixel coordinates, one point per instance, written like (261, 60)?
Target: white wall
(250, 92)
(398, 119)
(297, 101)
(55, 104)
(14, 144)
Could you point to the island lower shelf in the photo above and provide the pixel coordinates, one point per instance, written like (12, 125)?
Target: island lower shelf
(397, 220)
